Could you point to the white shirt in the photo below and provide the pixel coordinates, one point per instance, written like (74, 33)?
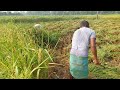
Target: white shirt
(81, 40)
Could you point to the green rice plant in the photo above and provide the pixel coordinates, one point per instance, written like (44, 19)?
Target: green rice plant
(45, 38)
(20, 56)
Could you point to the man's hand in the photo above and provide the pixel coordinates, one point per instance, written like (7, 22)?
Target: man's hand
(96, 62)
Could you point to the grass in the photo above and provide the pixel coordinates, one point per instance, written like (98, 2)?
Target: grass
(104, 72)
(19, 53)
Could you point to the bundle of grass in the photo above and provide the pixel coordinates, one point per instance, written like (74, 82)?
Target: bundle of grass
(37, 26)
(44, 38)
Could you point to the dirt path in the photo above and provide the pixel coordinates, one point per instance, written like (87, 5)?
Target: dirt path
(60, 69)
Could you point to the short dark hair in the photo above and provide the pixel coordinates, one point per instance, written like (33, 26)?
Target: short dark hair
(84, 23)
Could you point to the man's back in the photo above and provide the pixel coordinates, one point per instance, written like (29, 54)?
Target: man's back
(80, 41)
(79, 51)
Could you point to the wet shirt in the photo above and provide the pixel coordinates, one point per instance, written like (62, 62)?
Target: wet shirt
(81, 40)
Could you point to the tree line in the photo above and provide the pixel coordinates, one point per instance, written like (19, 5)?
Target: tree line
(10, 13)
(58, 12)
(70, 12)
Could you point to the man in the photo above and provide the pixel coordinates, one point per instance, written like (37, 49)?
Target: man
(79, 51)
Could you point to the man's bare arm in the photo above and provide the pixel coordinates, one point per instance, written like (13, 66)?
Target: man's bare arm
(94, 50)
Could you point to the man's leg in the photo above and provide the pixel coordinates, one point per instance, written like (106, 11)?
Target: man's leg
(71, 77)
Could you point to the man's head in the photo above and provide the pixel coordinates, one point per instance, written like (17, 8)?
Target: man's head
(84, 23)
